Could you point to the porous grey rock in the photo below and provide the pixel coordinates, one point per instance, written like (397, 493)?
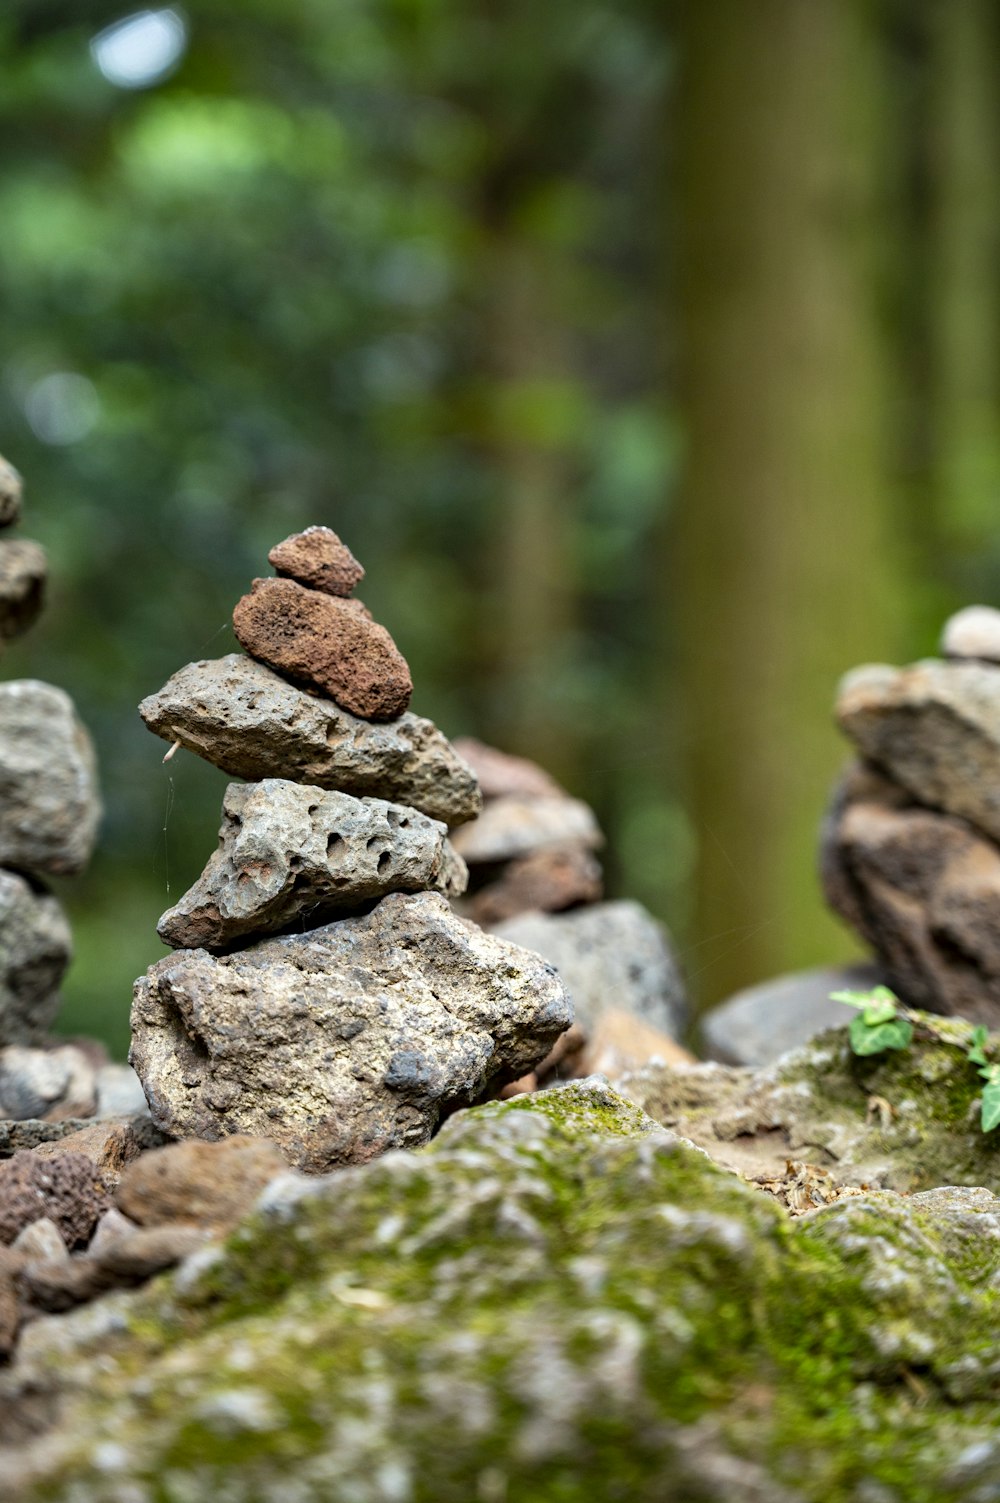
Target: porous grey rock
(513, 826)
(10, 494)
(343, 1042)
(922, 888)
(973, 633)
(46, 1084)
(119, 1092)
(23, 570)
(49, 805)
(247, 720)
(35, 949)
(935, 729)
(610, 955)
(292, 853)
(327, 642)
(762, 1022)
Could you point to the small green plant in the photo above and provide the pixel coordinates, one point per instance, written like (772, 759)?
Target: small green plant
(882, 1022)
(990, 1074)
(885, 1023)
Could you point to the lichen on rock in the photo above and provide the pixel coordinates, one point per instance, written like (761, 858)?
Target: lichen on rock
(557, 1300)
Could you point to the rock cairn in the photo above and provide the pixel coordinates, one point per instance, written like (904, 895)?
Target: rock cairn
(49, 813)
(323, 993)
(911, 844)
(536, 881)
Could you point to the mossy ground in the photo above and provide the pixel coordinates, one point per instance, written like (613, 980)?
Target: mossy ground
(555, 1302)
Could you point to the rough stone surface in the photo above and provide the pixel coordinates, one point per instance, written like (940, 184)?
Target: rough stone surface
(610, 955)
(557, 1300)
(243, 718)
(319, 559)
(621, 1043)
(763, 1022)
(294, 854)
(923, 889)
(343, 1042)
(67, 1190)
(10, 494)
(18, 1136)
(110, 1147)
(211, 1183)
(512, 826)
(320, 640)
(35, 949)
(557, 877)
(935, 729)
(23, 570)
(47, 1084)
(500, 773)
(903, 1120)
(973, 633)
(49, 806)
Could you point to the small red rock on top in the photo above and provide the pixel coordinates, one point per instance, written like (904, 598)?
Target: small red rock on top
(319, 559)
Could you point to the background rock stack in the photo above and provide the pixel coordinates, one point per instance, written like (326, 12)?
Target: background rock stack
(373, 1010)
(911, 845)
(49, 813)
(535, 880)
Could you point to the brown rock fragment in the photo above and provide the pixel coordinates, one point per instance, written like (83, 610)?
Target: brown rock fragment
(110, 1146)
(622, 1042)
(23, 568)
(319, 559)
(551, 879)
(67, 1190)
(10, 1303)
(326, 642)
(210, 1183)
(500, 773)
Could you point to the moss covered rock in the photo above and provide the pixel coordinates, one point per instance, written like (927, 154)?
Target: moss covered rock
(556, 1301)
(903, 1120)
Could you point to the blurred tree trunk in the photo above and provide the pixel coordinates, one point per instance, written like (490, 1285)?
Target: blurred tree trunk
(785, 562)
(963, 291)
(533, 553)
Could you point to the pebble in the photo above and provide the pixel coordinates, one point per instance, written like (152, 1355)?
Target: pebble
(317, 558)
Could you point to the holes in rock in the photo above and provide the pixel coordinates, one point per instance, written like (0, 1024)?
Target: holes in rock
(383, 862)
(333, 840)
(313, 809)
(373, 840)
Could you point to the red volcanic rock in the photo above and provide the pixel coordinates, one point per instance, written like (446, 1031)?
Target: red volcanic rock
(329, 643)
(319, 559)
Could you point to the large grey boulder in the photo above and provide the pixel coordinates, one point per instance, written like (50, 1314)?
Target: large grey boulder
(290, 854)
(242, 717)
(762, 1022)
(35, 949)
(23, 570)
(49, 804)
(935, 729)
(345, 1041)
(514, 826)
(611, 956)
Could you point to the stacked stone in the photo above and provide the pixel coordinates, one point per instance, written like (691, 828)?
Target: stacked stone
(49, 813)
(323, 993)
(535, 880)
(911, 844)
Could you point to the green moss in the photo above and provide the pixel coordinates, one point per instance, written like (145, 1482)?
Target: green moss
(552, 1303)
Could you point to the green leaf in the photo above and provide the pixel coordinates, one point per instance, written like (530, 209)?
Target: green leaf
(866, 1039)
(879, 1011)
(976, 1055)
(991, 1106)
(877, 995)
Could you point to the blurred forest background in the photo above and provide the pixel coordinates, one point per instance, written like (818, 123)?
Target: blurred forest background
(645, 353)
